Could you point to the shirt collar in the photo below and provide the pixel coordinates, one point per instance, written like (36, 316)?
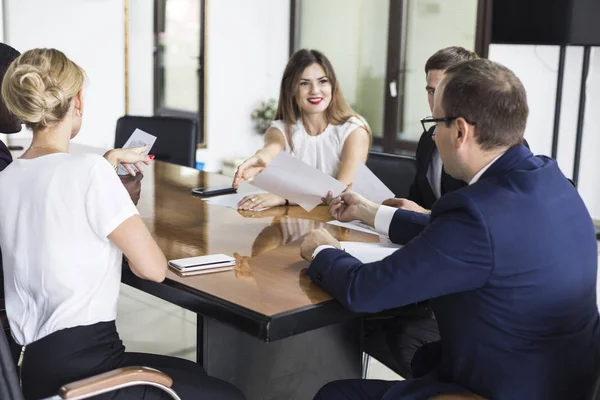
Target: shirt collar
(481, 172)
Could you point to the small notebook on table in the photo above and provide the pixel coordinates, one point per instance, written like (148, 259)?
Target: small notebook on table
(202, 265)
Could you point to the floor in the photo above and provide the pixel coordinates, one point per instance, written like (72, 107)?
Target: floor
(144, 321)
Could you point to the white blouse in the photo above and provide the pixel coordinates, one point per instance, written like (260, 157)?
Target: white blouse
(60, 268)
(322, 151)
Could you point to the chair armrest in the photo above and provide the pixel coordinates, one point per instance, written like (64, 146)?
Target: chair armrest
(114, 379)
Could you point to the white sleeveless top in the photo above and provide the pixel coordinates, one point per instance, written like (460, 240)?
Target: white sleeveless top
(323, 151)
(60, 268)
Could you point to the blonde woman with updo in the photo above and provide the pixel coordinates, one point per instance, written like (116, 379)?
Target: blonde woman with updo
(64, 225)
(314, 123)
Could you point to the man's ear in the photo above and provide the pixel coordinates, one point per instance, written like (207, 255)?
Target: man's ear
(464, 130)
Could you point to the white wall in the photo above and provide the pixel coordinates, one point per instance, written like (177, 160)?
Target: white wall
(141, 67)
(537, 67)
(91, 34)
(247, 49)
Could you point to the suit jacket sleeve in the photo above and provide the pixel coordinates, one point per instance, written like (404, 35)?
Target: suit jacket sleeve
(453, 254)
(406, 225)
(5, 156)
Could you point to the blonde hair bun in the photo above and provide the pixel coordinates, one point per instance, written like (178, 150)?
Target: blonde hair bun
(39, 86)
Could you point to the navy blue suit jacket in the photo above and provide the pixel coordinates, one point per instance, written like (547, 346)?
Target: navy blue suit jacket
(510, 264)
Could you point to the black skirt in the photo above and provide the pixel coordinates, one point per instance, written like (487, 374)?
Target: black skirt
(77, 353)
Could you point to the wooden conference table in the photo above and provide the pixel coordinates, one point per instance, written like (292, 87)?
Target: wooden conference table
(264, 326)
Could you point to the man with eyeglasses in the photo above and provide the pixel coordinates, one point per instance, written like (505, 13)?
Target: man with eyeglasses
(431, 181)
(509, 261)
(395, 336)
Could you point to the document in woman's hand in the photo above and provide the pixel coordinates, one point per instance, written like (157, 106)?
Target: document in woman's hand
(292, 179)
(138, 138)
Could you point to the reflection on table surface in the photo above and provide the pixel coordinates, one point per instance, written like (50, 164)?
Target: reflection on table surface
(269, 275)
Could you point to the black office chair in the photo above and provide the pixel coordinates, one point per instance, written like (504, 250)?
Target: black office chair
(395, 171)
(176, 137)
(107, 382)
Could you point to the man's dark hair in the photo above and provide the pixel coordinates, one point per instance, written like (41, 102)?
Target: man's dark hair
(491, 97)
(445, 58)
(9, 123)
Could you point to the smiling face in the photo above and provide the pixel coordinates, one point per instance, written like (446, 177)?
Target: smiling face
(314, 92)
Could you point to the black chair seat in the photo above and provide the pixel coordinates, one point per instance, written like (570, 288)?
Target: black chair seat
(9, 382)
(176, 137)
(395, 171)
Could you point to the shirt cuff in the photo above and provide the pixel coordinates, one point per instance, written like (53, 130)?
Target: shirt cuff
(321, 247)
(383, 219)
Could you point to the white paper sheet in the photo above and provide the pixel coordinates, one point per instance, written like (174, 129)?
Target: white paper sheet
(369, 186)
(230, 200)
(290, 178)
(137, 139)
(370, 252)
(356, 225)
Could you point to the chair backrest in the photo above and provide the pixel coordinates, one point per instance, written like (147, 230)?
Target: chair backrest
(9, 381)
(176, 137)
(395, 171)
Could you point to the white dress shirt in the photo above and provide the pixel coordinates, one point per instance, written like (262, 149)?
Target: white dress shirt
(385, 214)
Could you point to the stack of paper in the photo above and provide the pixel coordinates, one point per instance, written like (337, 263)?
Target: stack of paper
(202, 265)
(292, 179)
(370, 252)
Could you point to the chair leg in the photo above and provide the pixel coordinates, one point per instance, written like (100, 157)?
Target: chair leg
(365, 365)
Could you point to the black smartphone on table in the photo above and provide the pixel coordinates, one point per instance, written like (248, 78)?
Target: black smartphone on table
(213, 190)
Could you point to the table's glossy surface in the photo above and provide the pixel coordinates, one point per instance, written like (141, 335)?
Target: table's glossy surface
(268, 277)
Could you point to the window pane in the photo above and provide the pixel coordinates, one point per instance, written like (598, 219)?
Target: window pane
(353, 35)
(179, 55)
(432, 25)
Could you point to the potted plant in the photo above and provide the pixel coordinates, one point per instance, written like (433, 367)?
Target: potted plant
(263, 115)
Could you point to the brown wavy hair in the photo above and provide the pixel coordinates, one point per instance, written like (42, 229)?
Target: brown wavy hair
(338, 111)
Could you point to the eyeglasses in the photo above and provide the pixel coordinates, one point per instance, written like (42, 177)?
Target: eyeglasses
(429, 122)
